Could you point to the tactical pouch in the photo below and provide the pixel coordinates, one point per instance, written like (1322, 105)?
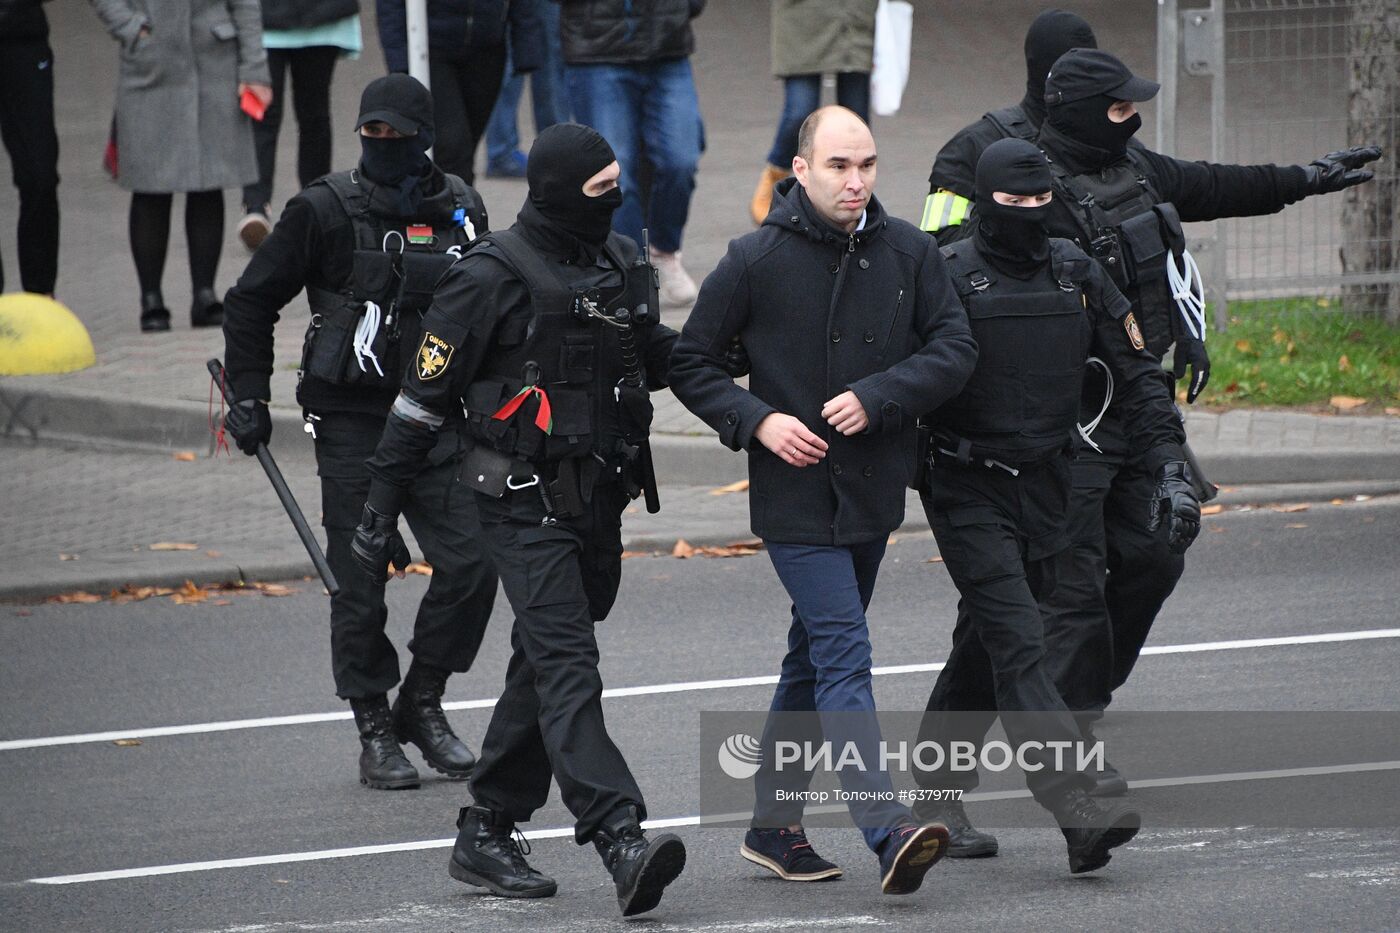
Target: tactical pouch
(1144, 247)
(329, 342)
(923, 447)
(486, 470)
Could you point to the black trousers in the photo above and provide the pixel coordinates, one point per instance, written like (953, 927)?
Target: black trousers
(311, 69)
(1001, 538)
(442, 514)
(559, 579)
(27, 128)
(464, 94)
(1117, 579)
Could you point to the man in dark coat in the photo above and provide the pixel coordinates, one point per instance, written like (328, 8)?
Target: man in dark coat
(852, 330)
(27, 127)
(950, 184)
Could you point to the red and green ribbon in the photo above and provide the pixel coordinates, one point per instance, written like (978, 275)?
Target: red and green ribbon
(544, 416)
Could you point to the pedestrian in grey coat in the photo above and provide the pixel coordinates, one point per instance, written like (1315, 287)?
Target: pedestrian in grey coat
(185, 64)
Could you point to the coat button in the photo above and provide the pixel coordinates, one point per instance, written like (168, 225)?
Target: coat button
(868, 471)
(870, 336)
(891, 408)
(835, 336)
(794, 218)
(731, 417)
(865, 263)
(833, 268)
(836, 469)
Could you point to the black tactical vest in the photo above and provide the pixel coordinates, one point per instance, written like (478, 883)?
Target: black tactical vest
(396, 275)
(1116, 217)
(1013, 123)
(1033, 338)
(575, 361)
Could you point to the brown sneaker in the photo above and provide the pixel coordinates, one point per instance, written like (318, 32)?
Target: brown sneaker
(763, 195)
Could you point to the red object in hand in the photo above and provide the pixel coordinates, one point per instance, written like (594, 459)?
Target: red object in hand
(251, 105)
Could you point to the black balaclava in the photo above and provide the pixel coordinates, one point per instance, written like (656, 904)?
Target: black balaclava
(563, 157)
(401, 164)
(1086, 121)
(1013, 238)
(1052, 34)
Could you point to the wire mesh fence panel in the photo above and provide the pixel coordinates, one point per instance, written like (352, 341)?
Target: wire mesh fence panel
(1304, 78)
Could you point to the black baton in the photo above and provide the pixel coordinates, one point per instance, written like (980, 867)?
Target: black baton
(279, 485)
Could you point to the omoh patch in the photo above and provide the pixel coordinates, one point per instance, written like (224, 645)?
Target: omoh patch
(1130, 324)
(433, 357)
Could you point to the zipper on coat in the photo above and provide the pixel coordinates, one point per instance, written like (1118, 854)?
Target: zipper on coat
(898, 303)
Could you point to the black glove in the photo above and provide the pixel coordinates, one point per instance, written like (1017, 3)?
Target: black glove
(250, 424)
(1341, 169)
(736, 359)
(377, 543)
(1191, 352)
(1174, 502)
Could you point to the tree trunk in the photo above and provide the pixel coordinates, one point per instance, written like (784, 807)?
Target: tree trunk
(1371, 212)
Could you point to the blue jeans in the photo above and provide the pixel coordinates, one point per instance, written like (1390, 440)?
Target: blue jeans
(652, 111)
(827, 669)
(801, 95)
(549, 96)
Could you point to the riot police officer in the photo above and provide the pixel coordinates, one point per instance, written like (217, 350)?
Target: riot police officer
(998, 481)
(1124, 205)
(546, 334)
(951, 182)
(368, 245)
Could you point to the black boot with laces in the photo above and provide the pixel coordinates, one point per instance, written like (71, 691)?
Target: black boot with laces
(418, 718)
(641, 867)
(964, 839)
(382, 763)
(490, 854)
(1093, 826)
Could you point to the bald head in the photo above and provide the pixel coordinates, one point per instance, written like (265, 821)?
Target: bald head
(835, 164)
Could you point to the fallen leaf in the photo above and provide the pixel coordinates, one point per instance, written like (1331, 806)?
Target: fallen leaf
(1343, 364)
(1347, 402)
(213, 554)
(77, 597)
(755, 544)
(185, 456)
(1212, 509)
(934, 560)
(726, 551)
(1392, 411)
(1295, 525)
(1339, 502)
(1243, 346)
(683, 549)
(1295, 507)
(741, 486)
(628, 555)
(174, 546)
(419, 567)
(68, 557)
(127, 743)
(222, 602)
(274, 589)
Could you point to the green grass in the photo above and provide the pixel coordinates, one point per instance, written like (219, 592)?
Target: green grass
(1302, 352)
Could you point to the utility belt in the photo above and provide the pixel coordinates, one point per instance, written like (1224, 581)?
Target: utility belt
(565, 487)
(937, 447)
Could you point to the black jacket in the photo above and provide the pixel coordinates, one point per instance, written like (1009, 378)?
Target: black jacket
(821, 312)
(312, 244)
(456, 28)
(479, 306)
(627, 32)
(299, 14)
(23, 21)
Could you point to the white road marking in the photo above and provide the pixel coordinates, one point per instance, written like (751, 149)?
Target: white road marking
(566, 831)
(199, 728)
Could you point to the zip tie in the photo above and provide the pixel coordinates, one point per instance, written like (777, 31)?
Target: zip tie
(1189, 292)
(1086, 430)
(365, 332)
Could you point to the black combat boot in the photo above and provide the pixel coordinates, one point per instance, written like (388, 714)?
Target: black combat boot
(382, 764)
(1108, 780)
(488, 856)
(418, 718)
(964, 839)
(1094, 826)
(640, 867)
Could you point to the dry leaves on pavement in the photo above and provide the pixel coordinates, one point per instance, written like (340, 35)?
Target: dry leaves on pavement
(185, 456)
(741, 486)
(173, 546)
(684, 549)
(1294, 507)
(1212, 509)
(1347, 402)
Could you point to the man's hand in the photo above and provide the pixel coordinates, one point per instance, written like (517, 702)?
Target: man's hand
(790, 440)
(377, 544)
(1341, 169)
(1192, 352)
(250, 424)
(1174, 502)
(846, 414)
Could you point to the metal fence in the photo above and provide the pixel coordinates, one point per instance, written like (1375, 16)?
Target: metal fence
(1287, 81)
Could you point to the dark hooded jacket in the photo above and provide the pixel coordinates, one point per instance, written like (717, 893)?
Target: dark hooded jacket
(457, 29)
(820, 312)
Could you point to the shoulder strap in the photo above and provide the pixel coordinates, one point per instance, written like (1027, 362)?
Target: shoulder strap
(355, 202)
(1011, 122)
(540, 279)
(1069, 264)
(966, 268)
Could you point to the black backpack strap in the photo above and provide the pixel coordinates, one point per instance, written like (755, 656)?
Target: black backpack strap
(1011, 123)
(354, 200)
(966, 268)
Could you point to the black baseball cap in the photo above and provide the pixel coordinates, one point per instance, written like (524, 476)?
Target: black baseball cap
(1081, 73)
(399, 100)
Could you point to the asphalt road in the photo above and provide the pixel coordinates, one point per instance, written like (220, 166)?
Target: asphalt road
(272, 789)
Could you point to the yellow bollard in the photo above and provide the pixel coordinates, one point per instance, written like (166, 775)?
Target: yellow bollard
(38, 335)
